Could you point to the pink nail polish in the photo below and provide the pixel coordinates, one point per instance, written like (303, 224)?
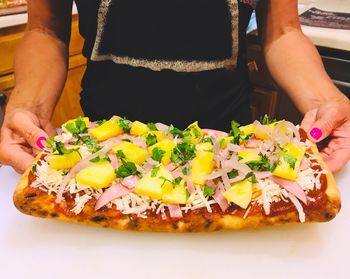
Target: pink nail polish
(316, 133)
(39, 142)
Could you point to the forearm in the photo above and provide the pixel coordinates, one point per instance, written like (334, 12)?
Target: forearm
(40, 72)
(297, 68)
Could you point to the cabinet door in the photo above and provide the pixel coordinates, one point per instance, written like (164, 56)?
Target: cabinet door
(263, 102)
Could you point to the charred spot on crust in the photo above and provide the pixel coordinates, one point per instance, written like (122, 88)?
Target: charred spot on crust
(43, 213)
(98, 218)
(328, 216)
(133, 224)
(208, 223)
(30, 195)
(54, 215)
(175, 226)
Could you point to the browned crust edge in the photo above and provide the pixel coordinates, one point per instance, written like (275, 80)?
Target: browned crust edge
(36, 206)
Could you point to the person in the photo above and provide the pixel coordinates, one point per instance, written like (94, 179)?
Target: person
(168, 61)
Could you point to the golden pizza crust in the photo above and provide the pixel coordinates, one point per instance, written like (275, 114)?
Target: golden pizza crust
(44, 206)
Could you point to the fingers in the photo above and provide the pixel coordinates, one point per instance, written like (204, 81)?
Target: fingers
(16, 157)
(26, 127)
(309, 119)
(336, 160)
(327, 119)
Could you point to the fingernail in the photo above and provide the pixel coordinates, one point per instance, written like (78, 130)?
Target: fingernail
(39, 142)
(316, 133)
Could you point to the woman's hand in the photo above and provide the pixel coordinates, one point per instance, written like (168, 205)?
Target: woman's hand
(19, 134)
(331, 123)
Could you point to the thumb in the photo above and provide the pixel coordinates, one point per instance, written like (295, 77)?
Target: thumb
(29, 129)
(326, 121)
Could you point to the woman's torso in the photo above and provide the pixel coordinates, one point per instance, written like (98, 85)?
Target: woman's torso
(170, 61)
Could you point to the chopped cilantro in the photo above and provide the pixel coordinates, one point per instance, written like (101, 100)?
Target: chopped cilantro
(232, 174)
(62, 150)
(208, 191)
(157, 154)
(34, 167)
(177, 180)
(99, 159)
(155, 171)
(265, 120)
(175, 131)
(290, 160)
(100, 122)
(152, 126)
(206, 139)
(76, 127)
(252, 176)
(120, 154)
(91, 144)
(263, 164)
(183, 152)
(187, 194)
(126, 169)
(184, 171)
(50, 142)
(151, 139)
(124, 124)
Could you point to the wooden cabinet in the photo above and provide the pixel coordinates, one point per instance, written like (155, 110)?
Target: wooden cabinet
(68, 106)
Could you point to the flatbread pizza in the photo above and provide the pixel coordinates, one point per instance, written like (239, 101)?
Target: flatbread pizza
(152, 177)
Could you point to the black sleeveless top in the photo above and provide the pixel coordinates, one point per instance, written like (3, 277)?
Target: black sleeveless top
(172, 61)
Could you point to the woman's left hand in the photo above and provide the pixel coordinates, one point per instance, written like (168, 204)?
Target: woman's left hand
(330, 122)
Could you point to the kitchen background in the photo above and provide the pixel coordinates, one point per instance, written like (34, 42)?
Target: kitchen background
(325, 22)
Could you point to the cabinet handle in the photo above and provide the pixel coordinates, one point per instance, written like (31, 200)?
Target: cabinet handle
(252, 66)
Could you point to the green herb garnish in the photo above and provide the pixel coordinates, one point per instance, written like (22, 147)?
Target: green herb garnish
(290, 160)
(157, 154)
(152, 126)
(232, 174)
(175, 131)
(151, 139)
(155, 171)
(124, 124)
(126, 169)
(265, 120)
(182, 153)
(208, 191)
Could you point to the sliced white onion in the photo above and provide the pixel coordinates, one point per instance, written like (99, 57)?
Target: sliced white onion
(162, 127)
(233, 163)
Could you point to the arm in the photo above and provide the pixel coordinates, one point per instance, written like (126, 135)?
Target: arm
(40, 72)
(297, 67)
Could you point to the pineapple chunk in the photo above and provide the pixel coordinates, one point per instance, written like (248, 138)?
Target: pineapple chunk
(65, 161)
(159, 135)
(193, 133)
(107, 130)
(204, 147)
(248, 129)
(132, 152)
(99, 175)
(152, 183)
(138, 128)
(224, 141)
(240, 193)
(175, 195)
(289, 161)
(201, 166)
(248, 156)
(166, 145)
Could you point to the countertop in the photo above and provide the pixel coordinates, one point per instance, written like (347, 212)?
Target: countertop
(38, 248)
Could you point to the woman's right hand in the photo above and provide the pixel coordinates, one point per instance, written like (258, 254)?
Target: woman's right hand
(19, 134)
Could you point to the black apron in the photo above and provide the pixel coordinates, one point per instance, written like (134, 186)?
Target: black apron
(170, 61)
